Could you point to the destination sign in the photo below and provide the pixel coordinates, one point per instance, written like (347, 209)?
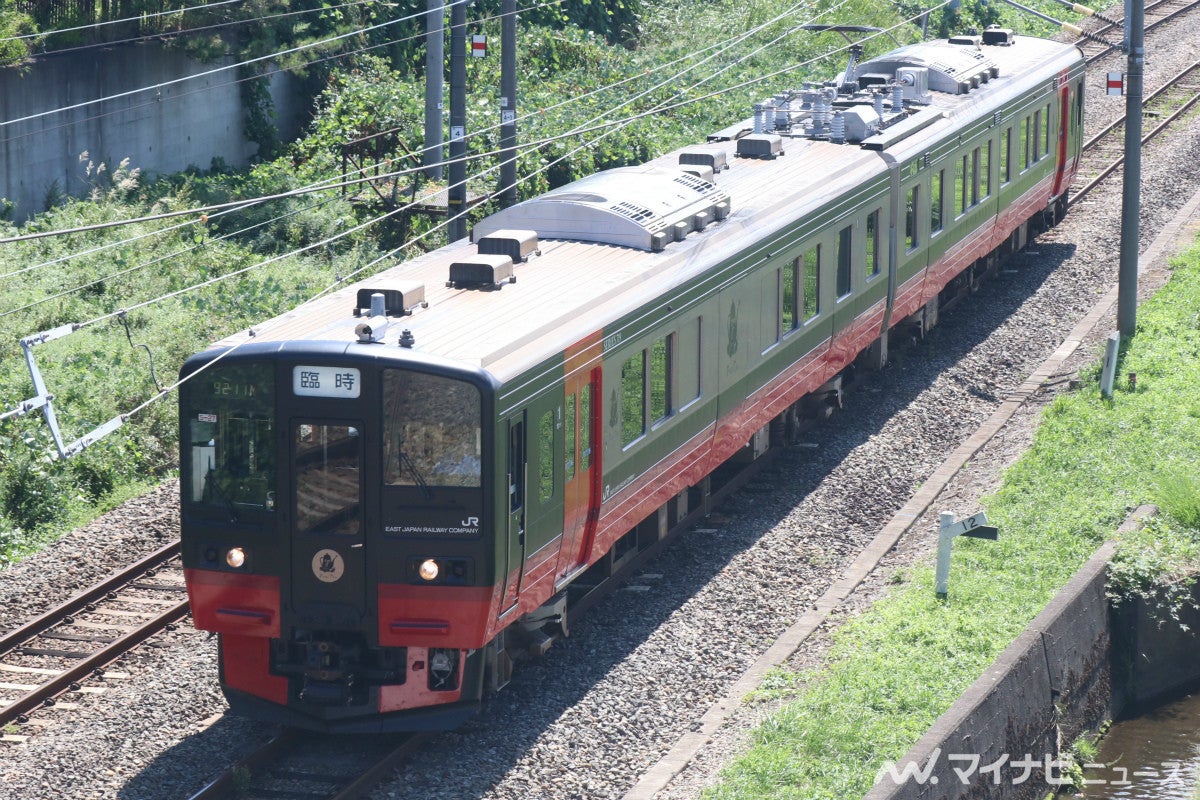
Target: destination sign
(340, 382)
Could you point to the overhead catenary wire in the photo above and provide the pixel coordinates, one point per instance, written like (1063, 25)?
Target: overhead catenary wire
(323, 186)
(138, 18)
(164, 392)
(727, 45)
(319, 187)
(170, 35)
(223, 68)
(160, 259)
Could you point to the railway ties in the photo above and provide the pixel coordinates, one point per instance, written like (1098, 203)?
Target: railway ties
(1157, 13)
(76, 640)
(1104, 153)
(294, 765)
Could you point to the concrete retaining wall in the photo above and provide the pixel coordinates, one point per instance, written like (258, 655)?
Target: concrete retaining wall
(167, 130)
(1077, 665)
(1047, 687)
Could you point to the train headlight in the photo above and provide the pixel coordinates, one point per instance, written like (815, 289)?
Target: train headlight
(235, 557)
(428, 570)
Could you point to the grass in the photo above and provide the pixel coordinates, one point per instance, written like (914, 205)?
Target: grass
(892, 671)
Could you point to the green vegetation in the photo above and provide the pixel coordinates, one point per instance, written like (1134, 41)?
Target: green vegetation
(893, 670)
(581, 62)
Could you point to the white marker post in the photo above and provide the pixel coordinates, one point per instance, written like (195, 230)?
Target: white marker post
(974, 526)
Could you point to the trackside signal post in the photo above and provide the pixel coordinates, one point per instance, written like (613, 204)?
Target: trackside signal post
(974, 526)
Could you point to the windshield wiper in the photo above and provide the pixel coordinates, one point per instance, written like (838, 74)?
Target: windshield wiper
(418, 478)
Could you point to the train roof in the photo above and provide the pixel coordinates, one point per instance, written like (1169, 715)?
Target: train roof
(596, 249)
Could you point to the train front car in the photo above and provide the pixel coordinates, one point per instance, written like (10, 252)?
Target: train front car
(333, 517)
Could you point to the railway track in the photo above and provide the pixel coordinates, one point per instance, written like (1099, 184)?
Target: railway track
(1103, 154)
(1095, 46)
(56, 652)
(293, 765)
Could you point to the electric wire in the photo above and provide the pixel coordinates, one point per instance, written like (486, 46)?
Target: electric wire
(159, 259)
(727, 46)
(138, 18)
(224, 68)
(322, 186)
(344, 279)
(171, 35)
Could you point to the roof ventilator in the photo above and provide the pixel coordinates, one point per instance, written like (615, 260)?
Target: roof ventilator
(481, 272)
(714, 158)
(760, 145)
(399, 298)
(518, 245)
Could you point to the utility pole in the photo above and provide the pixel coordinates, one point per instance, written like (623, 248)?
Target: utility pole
(508, 103)
(435, 71)
(1127, 274)
(456, 202)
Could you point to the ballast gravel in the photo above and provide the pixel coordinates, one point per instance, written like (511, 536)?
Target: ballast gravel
(608, 702)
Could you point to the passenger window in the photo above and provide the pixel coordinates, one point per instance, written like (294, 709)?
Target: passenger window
(633, 397)
(585, 427)
(935, 201)
(1023, 145)
(546, 456)
(660, 384)
(873, 243)
(689, 368)
(787, 321)
(845, 237)
(985, 170)
(1005, 146)
(569, 440)
(911, 240)
(1046, 131)
(812, 282)
(975, 177)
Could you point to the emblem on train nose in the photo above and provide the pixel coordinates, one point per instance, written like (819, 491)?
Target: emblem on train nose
(328, 565)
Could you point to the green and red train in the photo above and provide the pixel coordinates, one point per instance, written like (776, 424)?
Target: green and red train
(388, 492)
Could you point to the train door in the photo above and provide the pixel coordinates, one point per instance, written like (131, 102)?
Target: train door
(328, 562)
(516, 470)
(1062, 150)
(581, 473)
(581, 453)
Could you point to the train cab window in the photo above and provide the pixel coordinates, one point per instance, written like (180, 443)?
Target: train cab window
(1005, 146)
(546, 456)
(327, 471)
(431, 431)
(844, 241)
(633, 397)
(812, 282)
(872, 259)
(935, 201)
(911, 238)
(660, 381)
(585, 427)
(230, 413)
